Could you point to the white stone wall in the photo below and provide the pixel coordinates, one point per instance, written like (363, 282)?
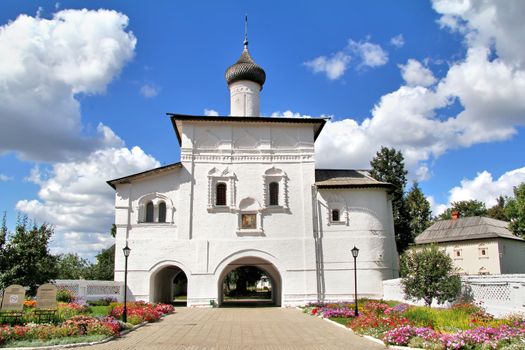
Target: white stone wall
(203, 240)
(498, 294)
(365, 222)
(93, 290)
(244, 99)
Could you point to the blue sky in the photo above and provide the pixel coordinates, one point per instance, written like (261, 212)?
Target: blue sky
(83, 93)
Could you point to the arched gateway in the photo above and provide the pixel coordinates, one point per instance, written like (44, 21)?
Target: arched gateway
(246, 193)
(267, 267)
(167, 283)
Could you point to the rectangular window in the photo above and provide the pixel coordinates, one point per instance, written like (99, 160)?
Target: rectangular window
(249, 221)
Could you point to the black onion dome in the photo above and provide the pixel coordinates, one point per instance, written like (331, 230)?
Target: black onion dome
(245, 69)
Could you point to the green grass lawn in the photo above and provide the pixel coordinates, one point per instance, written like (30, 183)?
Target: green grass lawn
(99, 310)
(340, 320)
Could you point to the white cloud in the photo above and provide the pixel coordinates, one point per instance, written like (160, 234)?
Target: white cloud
(372, 55)
(210, 112)
(436, 208)
(414, 73)
(485, 189)
(290, 114)
(334, 66)
(4, 177)
(488, 85)
(43, 65)
(398, 41)
(75, 198)
(148, 90)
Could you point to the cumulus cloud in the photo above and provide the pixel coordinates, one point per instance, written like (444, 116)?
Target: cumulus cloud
(4, 177)
(414, 73)
(398, 41)
(75, 198)
(333, 66)
(488, 85)
(148, 90)
(485, 188)
(211, 112)
(371, 55)
(43, 65)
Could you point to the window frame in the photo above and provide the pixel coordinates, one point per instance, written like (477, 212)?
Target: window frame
(162, 211)
(150, 212)
(222, 195)
(273, 194)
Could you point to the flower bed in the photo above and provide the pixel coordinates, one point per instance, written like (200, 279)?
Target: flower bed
(75, 326)
(464, 326)
(73, 321)
(140, 311)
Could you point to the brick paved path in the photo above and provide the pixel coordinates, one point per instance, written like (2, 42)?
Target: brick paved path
(240, 328)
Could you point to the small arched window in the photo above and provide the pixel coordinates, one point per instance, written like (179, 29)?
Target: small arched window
(274, 193)
(149, 212)
(220, 194)
(162, 212)
(335, 214)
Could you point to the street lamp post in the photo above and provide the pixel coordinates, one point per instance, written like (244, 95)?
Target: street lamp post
(126, 251)
(355, 253)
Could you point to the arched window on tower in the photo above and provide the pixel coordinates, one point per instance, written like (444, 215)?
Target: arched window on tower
(335, 215)
(162, 212)
(274, 193)
(220, 194)
(149, 212)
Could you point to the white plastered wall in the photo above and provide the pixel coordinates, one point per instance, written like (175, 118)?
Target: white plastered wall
(203, 240)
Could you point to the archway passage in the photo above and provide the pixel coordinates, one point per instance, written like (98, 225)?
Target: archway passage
(250, 282)
(169, 285)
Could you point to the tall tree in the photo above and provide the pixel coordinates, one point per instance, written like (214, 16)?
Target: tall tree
(468, 208)
(515, 211)
(498, 211)
(388, 165)
(72, 267)
(418, 210)
(104, 268)
(26, 259)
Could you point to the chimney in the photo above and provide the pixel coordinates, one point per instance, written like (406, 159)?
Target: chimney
(455, 215)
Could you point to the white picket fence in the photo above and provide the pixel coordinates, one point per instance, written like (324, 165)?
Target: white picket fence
(499, 294)
(93, 290)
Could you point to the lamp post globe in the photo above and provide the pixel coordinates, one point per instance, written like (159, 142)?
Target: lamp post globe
(355, 253)
(126, 250)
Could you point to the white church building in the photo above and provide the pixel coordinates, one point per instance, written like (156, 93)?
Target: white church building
(246, 193)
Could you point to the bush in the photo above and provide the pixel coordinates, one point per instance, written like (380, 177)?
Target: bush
(429, 275)
(65, 295)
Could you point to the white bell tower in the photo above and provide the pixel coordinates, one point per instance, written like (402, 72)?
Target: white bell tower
(245, 80)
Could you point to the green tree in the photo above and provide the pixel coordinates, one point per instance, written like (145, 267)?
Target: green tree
(26, 257)
(3, 238)
(418, 210)
(104, 268)
(429, 275)
(515, 211)
(388, 165)
(72, 267)
(498, 211)
(465, 208)
(243, 277)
